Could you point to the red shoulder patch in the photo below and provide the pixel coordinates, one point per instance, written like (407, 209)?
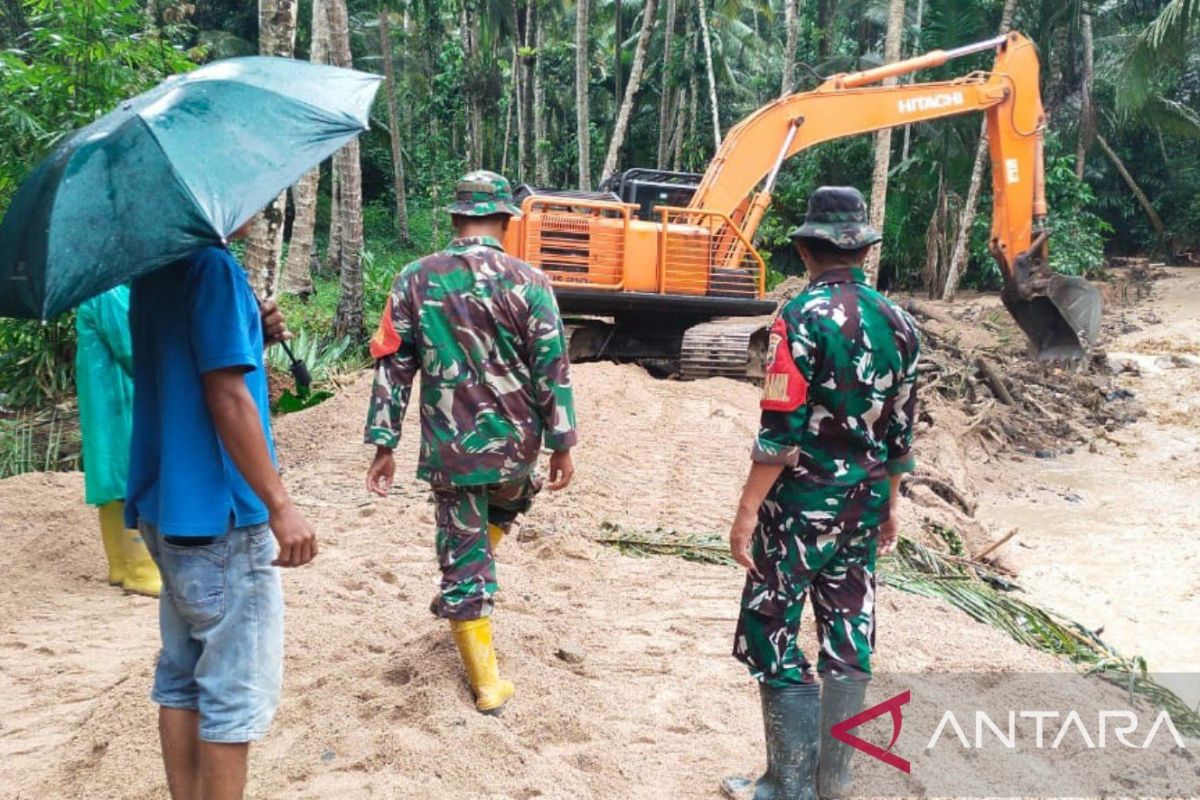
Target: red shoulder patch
(785, 387)
(385, 341)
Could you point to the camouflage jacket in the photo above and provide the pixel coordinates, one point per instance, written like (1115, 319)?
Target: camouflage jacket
(484, 330)
(840, 396)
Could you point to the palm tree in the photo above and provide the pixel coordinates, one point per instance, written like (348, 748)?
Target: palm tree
(791, 23)
(582, 117)
(665, 99)
(962, 241)
(712, 81)
(264, 245)
(348, 319)
(385, 47)
(883, 139)
(1087, 120)
(541, 140)
(635, 79)
(297, 272)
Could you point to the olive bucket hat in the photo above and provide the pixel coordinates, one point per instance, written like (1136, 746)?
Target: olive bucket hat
(481, 194)
(838, 214)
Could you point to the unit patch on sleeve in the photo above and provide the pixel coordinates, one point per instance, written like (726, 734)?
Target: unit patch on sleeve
(784, 388)
(385, 341)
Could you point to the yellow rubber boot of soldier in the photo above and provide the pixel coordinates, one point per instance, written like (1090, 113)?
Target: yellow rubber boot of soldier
(495, 534)
(141, 573)
(112, 532)
(474, 640)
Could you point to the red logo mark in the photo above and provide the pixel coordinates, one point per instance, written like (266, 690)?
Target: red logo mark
(841, 731)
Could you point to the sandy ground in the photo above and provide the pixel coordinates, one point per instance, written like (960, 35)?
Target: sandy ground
(375, 704)
(1109, 535)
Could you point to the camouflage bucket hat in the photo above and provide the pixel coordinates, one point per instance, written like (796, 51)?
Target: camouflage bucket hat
(481, 194)
(838, 214)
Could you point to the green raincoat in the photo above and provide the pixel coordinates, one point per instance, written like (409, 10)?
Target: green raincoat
(104, 375)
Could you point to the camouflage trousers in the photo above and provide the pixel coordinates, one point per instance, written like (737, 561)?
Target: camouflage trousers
(463, 549)
(817, 542)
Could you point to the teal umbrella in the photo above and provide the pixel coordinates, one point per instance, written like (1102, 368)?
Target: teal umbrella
(173, 170)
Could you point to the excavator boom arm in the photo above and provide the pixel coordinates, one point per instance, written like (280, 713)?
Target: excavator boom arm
(846, 105)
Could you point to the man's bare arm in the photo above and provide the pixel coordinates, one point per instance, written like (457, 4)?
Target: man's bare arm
(889, 531)
(758, 484)
(237, 421)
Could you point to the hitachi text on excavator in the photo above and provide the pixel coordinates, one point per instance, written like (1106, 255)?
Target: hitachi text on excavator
(659, 266)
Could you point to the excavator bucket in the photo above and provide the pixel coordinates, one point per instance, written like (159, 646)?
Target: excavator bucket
(1061, 317)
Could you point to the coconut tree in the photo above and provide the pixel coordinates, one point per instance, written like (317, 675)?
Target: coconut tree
(635, 79)
(389, 71)
(706, 38)
(348, 319)
(582, 73)
(264, 245)
(791, 23)
(297, 271)
(883, 138)
(962, 241)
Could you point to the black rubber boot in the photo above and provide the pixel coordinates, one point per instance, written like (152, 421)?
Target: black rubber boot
(790, 719)
(840, 700)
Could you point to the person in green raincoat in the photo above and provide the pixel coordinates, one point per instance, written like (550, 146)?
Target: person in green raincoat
(104, 380)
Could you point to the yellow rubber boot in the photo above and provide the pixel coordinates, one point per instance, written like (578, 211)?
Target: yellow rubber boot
(112, 532)
(495, 534)
(141, 573)
(474, 640)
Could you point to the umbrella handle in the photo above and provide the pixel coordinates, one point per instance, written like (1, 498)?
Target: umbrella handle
(298, 369)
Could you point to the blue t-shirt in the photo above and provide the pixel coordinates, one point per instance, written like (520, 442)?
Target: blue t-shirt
(195, 316)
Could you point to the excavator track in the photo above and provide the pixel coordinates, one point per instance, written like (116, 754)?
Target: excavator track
(724, 349)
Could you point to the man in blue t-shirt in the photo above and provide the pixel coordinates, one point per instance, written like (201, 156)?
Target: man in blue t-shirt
(205, 492)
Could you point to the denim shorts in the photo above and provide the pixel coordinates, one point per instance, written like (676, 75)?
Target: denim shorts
(221, 618)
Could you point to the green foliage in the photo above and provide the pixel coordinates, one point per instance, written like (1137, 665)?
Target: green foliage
(44, 441)
(37, 362)
(75, 61)
(326, 357)
(1077, 232)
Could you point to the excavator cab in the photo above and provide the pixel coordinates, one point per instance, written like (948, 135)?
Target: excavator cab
(649, 188)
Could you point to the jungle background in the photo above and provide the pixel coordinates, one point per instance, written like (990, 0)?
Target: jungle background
(565, 94)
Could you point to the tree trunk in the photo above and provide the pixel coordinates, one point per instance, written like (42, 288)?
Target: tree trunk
(348, 319)
(1087, 122)
(712, 81)
(297, 271)
(883, 140)
(618, 32)
(582, 117)
(791, 22)
(680, 124)
(912, 77)
(635, 80)
(1143, 200)
(934, 237)
(389, 72)
(508, 112)
(962, 242)
(523, 94)
(541, 142)
(693, 98)
(473, 113)
(264, 245)
(665, 93)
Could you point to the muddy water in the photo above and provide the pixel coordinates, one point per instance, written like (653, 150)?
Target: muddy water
(1110, 536)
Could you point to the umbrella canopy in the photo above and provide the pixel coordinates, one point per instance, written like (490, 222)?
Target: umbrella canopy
(173, 170)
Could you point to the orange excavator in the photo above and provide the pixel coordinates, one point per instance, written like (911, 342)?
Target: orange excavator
(658, 267)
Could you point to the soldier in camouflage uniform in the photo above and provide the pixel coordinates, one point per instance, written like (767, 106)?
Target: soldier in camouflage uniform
(483, 329)
(838, 406)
